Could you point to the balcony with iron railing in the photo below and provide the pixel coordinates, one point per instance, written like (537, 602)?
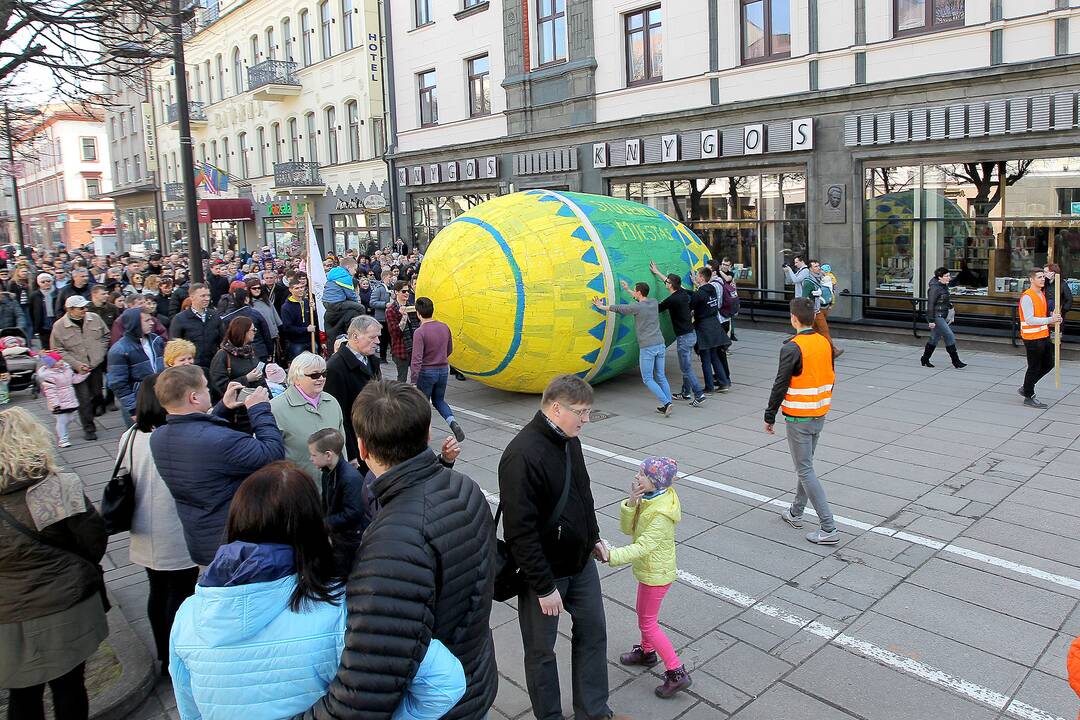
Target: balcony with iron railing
(196, 114)
(298, 178)
(273, 80)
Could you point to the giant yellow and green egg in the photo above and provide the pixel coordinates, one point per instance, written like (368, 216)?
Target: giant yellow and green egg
(514, 278)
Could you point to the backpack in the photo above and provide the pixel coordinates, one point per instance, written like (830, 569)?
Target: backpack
(730, 301)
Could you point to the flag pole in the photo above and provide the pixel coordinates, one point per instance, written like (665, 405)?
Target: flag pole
(309, 231)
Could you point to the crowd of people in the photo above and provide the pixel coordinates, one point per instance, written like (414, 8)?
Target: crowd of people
(307, 551)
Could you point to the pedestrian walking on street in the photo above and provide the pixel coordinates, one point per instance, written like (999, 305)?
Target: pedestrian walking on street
(649, 515)
(430, 368)
(425, 571)
(157, 537)
(651, 346)
(677, 305)
(57, 380)
(52, 609)
(273, 590)
(83, 340)
(939, 314)
(554, 542)
(803, 392)
(712, 341)
(1035, 322)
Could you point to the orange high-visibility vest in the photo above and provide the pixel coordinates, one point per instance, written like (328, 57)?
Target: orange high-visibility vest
(1029, 330)
(810, 392)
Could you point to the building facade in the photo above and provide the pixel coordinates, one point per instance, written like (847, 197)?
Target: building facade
(61, 171)
(286, 100)
(131, 127)
(885, 137)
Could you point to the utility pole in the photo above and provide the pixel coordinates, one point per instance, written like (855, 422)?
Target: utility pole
(14, 182)
(187, 154)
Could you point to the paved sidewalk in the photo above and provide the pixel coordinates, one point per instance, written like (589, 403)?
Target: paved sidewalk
(954, 590)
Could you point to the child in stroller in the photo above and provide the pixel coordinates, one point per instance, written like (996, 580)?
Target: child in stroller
(57, 380)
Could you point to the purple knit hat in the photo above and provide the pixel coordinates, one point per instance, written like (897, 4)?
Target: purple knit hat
(661, 470)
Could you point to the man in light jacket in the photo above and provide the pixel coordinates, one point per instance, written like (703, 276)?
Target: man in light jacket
(82, 338)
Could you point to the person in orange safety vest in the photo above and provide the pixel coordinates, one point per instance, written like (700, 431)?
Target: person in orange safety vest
(803, 393)
(1035, 323)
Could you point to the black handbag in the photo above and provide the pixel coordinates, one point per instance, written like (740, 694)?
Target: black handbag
(509, 580)
(118, 500)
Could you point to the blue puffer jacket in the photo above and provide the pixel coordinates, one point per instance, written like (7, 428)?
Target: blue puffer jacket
(237, 651)
(203, 460)
(339, 286)
(128, 363)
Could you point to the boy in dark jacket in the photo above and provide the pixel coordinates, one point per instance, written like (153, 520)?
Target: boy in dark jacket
(343, 506)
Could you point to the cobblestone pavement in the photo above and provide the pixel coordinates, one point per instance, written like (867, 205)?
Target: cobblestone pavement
(953, 592)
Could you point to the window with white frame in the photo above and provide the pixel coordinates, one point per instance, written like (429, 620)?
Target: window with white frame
(421, 12)
(238, 71)
(241, 140)
(275, 132)
(348, 41)
(220, 62)
(89, 148)
(326, 20)
(271, 49)
(287, 39)
(312, 138)
(352, 109)
(93, 188)
(294, 140)
(305, 37)
(331, 136)
(551, 31)
(254, 46)
(260, 149)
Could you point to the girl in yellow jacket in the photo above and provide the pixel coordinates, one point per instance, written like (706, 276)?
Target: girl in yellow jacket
(650, 515)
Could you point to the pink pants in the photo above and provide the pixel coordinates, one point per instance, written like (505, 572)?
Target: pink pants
(649, 598)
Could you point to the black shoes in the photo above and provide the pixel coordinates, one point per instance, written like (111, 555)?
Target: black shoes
(927, 352)
(951, 349)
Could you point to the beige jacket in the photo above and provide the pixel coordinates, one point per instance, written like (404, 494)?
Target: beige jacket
(87, 345)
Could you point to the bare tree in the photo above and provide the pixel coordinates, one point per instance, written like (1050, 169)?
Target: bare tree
(986, 181)
(74, 43)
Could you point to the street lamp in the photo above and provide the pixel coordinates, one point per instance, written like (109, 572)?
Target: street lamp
(187, 154)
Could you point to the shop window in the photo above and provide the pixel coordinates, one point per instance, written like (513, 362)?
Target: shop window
(421, 12)
(551, 31)
(479, 71)
(88, 146)
(432, 213)
(429, 101)
(348, 42)
(988, 221)
(358, 231)
(766, 30)
(644, 46)
(916, 16)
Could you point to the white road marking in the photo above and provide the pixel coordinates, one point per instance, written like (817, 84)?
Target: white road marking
(973, 691)
(901, 663)
(1019, 568)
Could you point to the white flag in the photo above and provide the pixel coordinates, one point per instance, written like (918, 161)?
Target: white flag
(316, 272)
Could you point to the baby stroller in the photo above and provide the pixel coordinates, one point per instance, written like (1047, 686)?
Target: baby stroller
(20, 360)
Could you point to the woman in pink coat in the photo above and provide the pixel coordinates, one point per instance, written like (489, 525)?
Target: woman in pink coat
(57, 380)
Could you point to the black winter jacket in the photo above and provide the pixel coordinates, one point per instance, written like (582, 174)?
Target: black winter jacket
(531, 476)
(425, 569)
(937, 300)
(345, 378)
(206, 335)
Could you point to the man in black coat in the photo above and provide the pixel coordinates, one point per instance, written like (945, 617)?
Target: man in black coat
(555, 554)
(200, 324)
(351, 368)
(426, 568)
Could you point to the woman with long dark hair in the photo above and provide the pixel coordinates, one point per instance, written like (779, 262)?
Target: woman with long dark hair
(266, 626)
(236, 360)
(939, 311)
(157, 538)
